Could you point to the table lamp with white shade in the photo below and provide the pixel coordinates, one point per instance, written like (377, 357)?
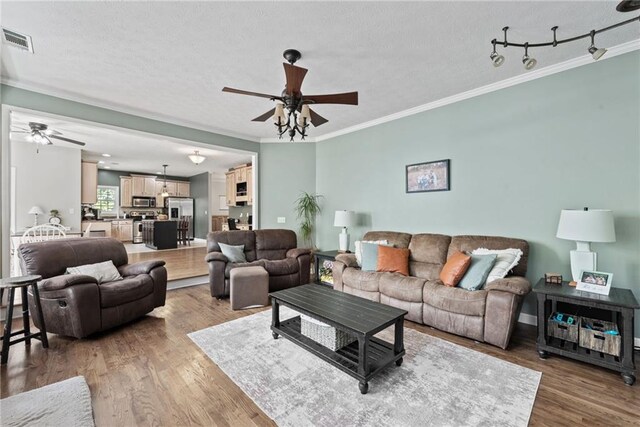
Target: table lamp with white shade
(36, 210)
(585, 226)
(344, 219)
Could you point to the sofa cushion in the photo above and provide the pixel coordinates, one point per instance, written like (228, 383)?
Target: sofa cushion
(281, 267)
(428, 255)
(454, 269)
(506, 260)
(395, 239)
(129, 289)
(234, 253)
(405, 288)
(103, 272)
(477, 273)
(231, 265)
(363, 280)
(393, 260)
(236, 238)
(469, 243)
(454, 300)
(273, 244)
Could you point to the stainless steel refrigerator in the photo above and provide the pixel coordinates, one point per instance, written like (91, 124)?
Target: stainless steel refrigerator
(178, 207)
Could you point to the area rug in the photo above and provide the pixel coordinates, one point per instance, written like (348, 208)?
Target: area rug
(439, 383)
(66, 403)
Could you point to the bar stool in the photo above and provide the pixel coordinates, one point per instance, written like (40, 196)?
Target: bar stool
(183, 230)
(23, 283)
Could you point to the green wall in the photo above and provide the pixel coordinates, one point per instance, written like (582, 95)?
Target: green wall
(286, 170)
(518, 156)
(200, 194)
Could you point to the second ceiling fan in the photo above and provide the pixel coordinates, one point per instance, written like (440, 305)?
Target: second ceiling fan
(292, 114)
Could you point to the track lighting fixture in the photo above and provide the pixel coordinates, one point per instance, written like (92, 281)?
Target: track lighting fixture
(595, 52)
(528, 62)
(497, 59)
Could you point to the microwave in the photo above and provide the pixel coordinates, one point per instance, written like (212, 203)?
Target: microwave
(144, 202)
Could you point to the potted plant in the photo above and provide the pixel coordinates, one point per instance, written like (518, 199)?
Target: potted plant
(307, 207)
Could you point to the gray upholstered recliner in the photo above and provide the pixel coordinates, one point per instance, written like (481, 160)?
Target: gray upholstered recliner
(274, 250)
(75, 304)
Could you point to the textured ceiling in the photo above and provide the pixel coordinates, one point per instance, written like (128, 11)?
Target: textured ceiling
(136, 152)
(171, 59)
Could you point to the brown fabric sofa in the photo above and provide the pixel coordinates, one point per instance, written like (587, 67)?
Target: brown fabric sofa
(274, 250)
(76, 305)
(487, 315)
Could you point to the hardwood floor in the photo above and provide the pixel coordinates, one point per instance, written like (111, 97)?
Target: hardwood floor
(181, 263)
(150, 373)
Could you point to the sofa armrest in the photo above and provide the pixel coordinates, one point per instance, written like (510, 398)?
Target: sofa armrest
(216, 256)
(298, 252)
(143, 267)
(64, 281)
(514, 284)
(349, 260)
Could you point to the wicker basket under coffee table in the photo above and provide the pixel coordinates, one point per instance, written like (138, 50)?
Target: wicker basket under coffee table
(362, 359)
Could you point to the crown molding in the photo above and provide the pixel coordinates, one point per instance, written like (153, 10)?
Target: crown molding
(45, 90)
(522, 78)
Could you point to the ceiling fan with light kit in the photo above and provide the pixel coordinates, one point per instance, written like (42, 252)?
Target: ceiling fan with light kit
(292, 113)
(41, 134)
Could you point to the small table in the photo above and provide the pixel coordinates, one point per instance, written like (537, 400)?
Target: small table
(23, 283)
(619, 306)
(362, 359)
(322, 256)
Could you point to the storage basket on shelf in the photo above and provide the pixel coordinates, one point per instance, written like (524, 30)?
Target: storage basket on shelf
(563, 328)
(600, 335)
(324, 334)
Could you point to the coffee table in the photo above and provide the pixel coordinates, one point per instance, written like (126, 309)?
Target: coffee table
(357, 316)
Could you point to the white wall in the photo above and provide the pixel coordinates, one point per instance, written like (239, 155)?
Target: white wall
(218, 188)
(49, 179)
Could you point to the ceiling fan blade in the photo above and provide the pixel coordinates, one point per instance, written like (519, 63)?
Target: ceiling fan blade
(52, 132)
(265, 116)
(295, 76)
(316, 119)
(20, 131)
(246, 92)
(62, 138)
(349, 98)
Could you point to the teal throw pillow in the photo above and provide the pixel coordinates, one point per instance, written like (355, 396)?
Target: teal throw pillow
(370, 255)
(234, 253)
(477, 273)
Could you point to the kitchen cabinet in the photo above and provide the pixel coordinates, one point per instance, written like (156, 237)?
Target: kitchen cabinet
(241, 174)
(89, 183)
(250, 185)
(231, 188)
(143, 186)
(125, 191)
(184, 189)
(122, 230)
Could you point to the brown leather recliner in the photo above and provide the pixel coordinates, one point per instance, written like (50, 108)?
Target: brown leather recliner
(274, 250)
(75, 304)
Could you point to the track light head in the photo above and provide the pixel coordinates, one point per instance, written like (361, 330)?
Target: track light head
(528, 62)
(593, 50)
(497, 59)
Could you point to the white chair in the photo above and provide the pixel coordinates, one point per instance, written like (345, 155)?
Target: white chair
(87, 232)
(43, 232)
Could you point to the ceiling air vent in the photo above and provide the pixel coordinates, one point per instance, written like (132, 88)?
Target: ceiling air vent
(21, 41)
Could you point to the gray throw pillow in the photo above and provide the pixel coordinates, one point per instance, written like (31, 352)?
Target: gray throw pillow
(477, 273)
(234, 253)
(103, 272)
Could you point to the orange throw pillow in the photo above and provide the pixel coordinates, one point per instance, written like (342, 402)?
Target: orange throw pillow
(393, 260)
(454, 269)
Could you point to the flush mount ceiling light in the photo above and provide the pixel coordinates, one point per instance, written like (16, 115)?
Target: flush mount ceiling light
(595, 52)
(196, 157)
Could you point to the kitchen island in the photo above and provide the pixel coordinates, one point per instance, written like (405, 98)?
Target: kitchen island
(158, 234)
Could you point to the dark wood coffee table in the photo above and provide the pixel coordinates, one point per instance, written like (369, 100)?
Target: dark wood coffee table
(357, 316)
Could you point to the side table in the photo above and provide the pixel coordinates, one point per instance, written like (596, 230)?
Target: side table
(23, 283)
(617, 307)
(322, 257)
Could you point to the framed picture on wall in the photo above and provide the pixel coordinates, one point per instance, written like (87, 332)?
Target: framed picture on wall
(428, 176)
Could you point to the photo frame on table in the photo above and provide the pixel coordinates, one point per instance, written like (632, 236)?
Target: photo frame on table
(428, 176)
(597, 282)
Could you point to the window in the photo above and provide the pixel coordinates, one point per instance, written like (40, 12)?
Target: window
(108, 199)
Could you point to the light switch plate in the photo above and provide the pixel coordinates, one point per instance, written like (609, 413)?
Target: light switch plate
(281, 220)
